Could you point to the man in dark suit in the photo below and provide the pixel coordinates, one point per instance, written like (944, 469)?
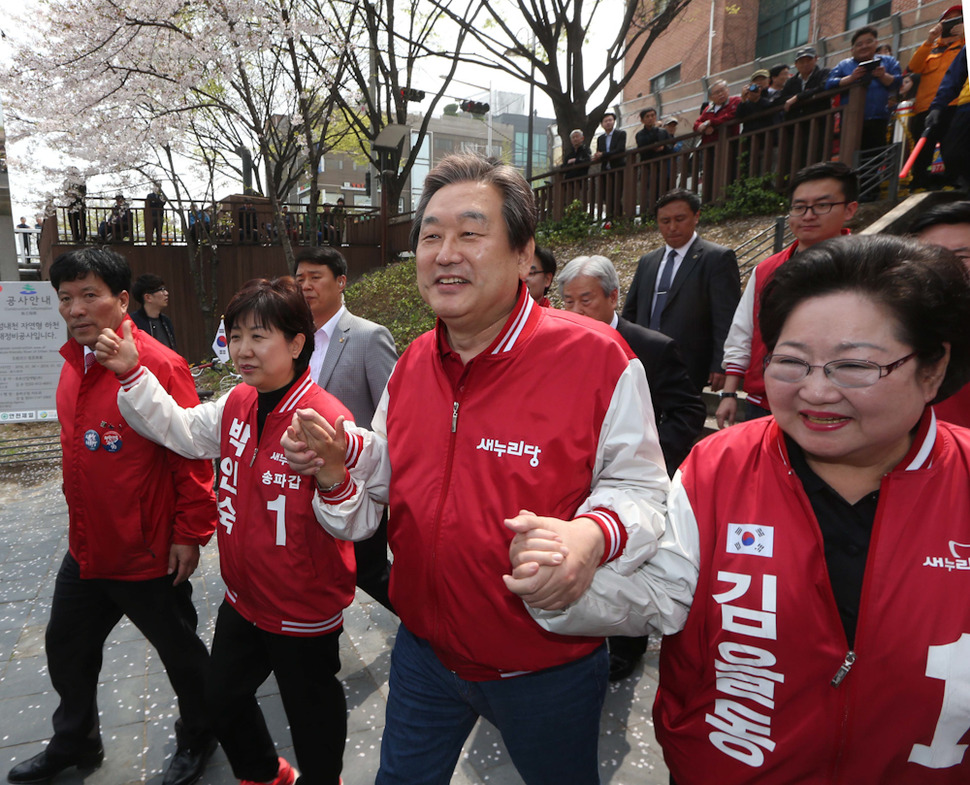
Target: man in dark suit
(687, 290)
(611, 145)
(352, 360)
(590, 286)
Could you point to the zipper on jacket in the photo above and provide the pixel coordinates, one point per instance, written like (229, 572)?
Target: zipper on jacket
(844, 669)
(253, 459)
(454, 418)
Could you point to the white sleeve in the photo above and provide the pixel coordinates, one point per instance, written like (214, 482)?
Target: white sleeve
(353, 510)
(148, 408)
(737, 345)
(630, 482)
(656, 596)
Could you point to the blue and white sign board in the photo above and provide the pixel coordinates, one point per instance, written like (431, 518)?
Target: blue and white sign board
(31, 335)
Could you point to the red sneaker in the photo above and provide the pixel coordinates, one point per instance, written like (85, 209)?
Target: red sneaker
(286, 775)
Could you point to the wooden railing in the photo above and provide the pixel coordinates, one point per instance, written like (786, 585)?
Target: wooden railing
(230, 225)
(631, 188)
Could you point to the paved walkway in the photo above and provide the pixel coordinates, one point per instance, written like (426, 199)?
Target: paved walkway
(136, 701)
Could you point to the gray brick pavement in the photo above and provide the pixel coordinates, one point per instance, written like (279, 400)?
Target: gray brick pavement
(138, 707)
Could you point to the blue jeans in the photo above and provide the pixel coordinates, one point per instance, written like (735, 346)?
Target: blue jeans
(549, 720)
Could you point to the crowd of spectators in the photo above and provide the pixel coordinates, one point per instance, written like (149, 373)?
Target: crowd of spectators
(920, 97)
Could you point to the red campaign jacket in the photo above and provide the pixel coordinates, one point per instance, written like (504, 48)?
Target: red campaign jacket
(754, 374)
(455, 479)
(128, 498)
(754, 378)
(746, 689)
(283, 571)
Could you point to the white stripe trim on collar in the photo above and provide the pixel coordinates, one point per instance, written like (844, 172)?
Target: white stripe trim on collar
(515, 330)
(295, 394)
(926, 448)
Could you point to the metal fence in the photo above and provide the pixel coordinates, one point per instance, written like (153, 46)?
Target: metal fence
(40, 448)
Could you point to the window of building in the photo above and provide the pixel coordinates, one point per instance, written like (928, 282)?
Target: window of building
(782, 24)
(865, 12)
(666, 79)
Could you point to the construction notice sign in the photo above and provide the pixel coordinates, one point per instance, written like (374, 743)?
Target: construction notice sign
(31, 335)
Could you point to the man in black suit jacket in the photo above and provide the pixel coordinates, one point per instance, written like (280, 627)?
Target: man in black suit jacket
(590, 286)
(611, 145)
(702, 287)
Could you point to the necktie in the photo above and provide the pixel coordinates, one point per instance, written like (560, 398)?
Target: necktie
(662, 288)
(89, 360)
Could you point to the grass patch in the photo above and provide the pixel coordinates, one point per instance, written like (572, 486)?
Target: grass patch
(389, 296)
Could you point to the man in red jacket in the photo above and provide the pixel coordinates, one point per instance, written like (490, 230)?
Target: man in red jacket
(138, 514)
(466, 453)
(823, 198)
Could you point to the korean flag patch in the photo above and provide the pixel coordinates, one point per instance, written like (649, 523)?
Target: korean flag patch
(752, 539)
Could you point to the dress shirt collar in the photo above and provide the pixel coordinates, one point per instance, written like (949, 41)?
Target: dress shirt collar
(682, 251)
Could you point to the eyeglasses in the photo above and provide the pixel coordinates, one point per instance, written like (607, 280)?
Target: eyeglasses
(820, 208)
(842, 373)
(163, 290)
(534, 272)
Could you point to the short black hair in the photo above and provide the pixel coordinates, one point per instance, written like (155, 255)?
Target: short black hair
(924, 286)
(110, 267)
(828, 170)
(280, 304)
(777, 69)
(680, 195)
(867, 30)
(647, 109)
(546, 259)
(149, 283)
(942, 214)
(608, 114)
(325, 255)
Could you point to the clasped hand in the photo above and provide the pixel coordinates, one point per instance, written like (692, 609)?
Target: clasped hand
(313, 446)
(553, 561)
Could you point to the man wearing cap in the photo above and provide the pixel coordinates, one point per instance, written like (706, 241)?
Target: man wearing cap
(808, 80)
(670, 124)
(930, 61)
(755, 102)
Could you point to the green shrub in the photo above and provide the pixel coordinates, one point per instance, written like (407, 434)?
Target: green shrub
(745, 197)
(576, 225)
(389, 296)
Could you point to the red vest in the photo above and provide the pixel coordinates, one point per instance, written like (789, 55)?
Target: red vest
(746, 689)
(283, 571)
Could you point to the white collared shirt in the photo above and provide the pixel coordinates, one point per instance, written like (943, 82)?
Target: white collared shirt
(678, 260)
(321, 342)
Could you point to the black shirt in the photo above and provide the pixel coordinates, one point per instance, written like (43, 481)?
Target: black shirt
(846, 532)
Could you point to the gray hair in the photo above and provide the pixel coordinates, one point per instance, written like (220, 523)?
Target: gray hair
(598, 267)
(718, 83)
(576, 131)
(518, 202)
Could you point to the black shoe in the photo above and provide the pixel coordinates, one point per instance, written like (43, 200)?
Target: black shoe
(44, 766)
(621, 667)
(188, 763)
